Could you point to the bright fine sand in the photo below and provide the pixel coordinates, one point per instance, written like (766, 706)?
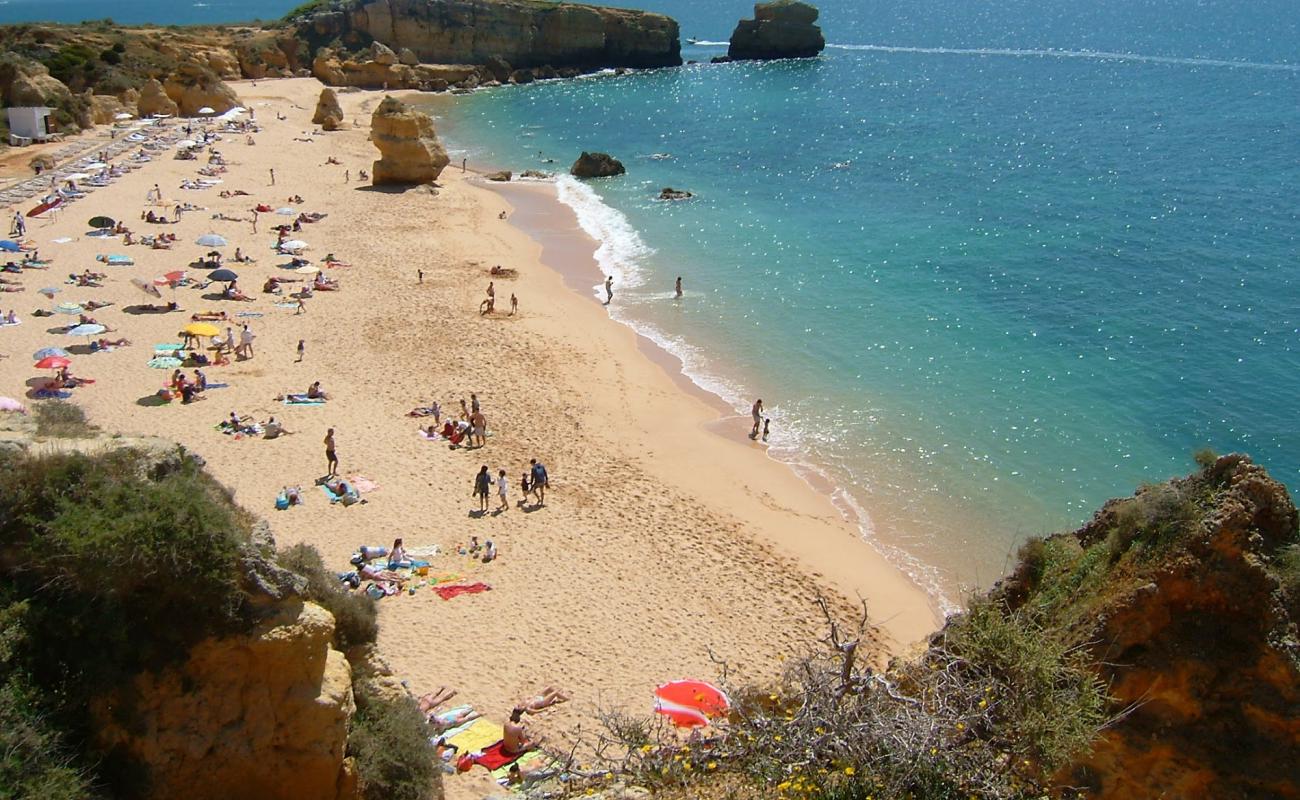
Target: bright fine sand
(661, 539)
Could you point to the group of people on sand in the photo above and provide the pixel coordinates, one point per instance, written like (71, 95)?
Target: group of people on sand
(489, 304)
(515, 739)
(533, 483)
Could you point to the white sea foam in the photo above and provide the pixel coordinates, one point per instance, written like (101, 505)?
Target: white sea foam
(621, 252)
(709, 44)
(621, 249)
(1095, 55)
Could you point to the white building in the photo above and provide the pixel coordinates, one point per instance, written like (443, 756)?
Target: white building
(29, 122)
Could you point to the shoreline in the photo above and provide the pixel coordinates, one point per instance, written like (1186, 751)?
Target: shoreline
(570, 252)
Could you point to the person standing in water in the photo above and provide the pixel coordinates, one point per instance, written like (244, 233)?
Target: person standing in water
(678, 287)
(767, 428)
(757, 413)
(609, 289)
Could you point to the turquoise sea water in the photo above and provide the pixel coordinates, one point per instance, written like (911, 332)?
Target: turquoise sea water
(982, 283)
(184, 12)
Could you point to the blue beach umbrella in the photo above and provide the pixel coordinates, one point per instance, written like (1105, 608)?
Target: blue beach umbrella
(223, 274)
(9, 246)
(89, 329)
(47, 352)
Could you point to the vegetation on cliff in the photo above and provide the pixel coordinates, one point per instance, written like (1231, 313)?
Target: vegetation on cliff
(118, 563)
(1083, 673)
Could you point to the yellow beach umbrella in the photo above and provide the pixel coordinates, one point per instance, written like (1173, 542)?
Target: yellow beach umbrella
(202, 329)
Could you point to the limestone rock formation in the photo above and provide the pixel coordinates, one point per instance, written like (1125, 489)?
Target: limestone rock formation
(332, 69)
(779, 29)
(260, 715)
(327, 107)
(104, 108)
(502, 176)
(382, 54)
(523, 33)
(153, 100)
(596, 165)
(409, 150)
(24, 82)
(1191, 615)
(193, 86)
(408, 57)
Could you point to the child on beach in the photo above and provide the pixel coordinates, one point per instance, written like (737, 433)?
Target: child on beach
(302, 346)
(503, 487)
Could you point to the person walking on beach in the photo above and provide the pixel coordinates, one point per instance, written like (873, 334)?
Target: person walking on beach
(473, 403)
(331, 458)
(678, 287)
(20, 226)
(419, 276)
(482, 481)
(246, 342)
(302, 307)
(757, 413)
(503, 488)
(302, 350)
(514, 304)
(347, 176)
(436, 408)
(254, 220)
(609, 289)
(273, 176)
(540, 481)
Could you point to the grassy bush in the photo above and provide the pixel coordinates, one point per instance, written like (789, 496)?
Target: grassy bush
(390, 742)
(60, 419)
(355, 615)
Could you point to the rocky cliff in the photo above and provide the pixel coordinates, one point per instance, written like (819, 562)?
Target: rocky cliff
(1188, 597)
(409, 150)
(524, 33)
(779, 29)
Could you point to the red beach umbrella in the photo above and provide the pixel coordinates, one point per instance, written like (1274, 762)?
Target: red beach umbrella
(52, 362)
(691, 704)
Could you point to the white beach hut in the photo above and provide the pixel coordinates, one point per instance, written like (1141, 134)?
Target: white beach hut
(27, 123)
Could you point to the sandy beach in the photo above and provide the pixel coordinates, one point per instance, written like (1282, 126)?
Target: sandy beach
(665, 536)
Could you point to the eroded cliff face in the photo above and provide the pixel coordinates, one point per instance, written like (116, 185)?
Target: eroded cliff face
(1190, 611)
(262, 715)
(522, 32)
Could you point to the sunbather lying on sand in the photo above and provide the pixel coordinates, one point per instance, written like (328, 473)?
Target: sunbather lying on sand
(549, 696)
(452, 719)
(209, 316)
(436, 698)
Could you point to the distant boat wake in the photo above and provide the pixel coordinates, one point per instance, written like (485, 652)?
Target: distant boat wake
(1095, 55)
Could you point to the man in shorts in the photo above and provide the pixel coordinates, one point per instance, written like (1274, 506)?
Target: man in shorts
(539, 481)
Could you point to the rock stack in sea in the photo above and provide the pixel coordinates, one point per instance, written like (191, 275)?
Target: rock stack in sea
(409, 150)
(779, 29)
(596, 165)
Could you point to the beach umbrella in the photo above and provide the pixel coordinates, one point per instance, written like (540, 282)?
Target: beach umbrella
(308, 270)
(211, 240)
(207, 110)
(171, 278)
(691, 704)
(101, 222)
(201, 329)
(89, 329)
(164, 362)
(223, 274)
(68, 308)
(146, 287)
(10, 246)
(184, 143)
(49, 291)
(50, 352)
(286, 211)
(10, 404)
(293, 244)
(121, 115)
(53, 362)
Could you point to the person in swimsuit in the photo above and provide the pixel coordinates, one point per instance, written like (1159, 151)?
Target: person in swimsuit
(550, 696)
(503, 489)
(757, 413)
(482, 482)
(609, 289)
(678, 286)
(330, 456)
(515, 740)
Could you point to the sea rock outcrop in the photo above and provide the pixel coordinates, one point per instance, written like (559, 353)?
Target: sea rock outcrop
(501, 176)
(525, 34)
(259, 715)
(409, 150)
(669, 193)
(333, 69)
(779, 29)
(153, 100)
(329, 114)
(596, 165)
(1187, 598)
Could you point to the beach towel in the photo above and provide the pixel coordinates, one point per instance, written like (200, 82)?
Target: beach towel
(286, 305)
(448, 592)
(249, 314)
(119, 261)
(492, 758)
(477, 735)
(428, 551)
(168, 347)
(216, 386)
(420, 411)
(62, 240)
(51, 394)
(362, 484)
(346, 499)
(299, 400)
(428, 437)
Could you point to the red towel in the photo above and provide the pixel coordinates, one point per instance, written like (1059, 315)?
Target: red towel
(448, 592)
(494, 757)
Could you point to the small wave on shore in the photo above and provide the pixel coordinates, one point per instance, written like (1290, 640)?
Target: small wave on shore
(621, 246)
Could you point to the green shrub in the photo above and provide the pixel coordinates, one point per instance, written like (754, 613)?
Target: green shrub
(35, 761)
(1286, 567)
(390, 742)
(110, 56)
(1033, 555)
(1205, 457)
(355, 615)
(63, 420)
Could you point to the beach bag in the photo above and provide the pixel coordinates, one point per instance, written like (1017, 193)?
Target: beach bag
(281, 502)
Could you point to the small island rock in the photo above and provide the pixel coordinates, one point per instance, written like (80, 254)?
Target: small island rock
(669, 193)
(596, 165)
(500, 177)
(779, 29)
